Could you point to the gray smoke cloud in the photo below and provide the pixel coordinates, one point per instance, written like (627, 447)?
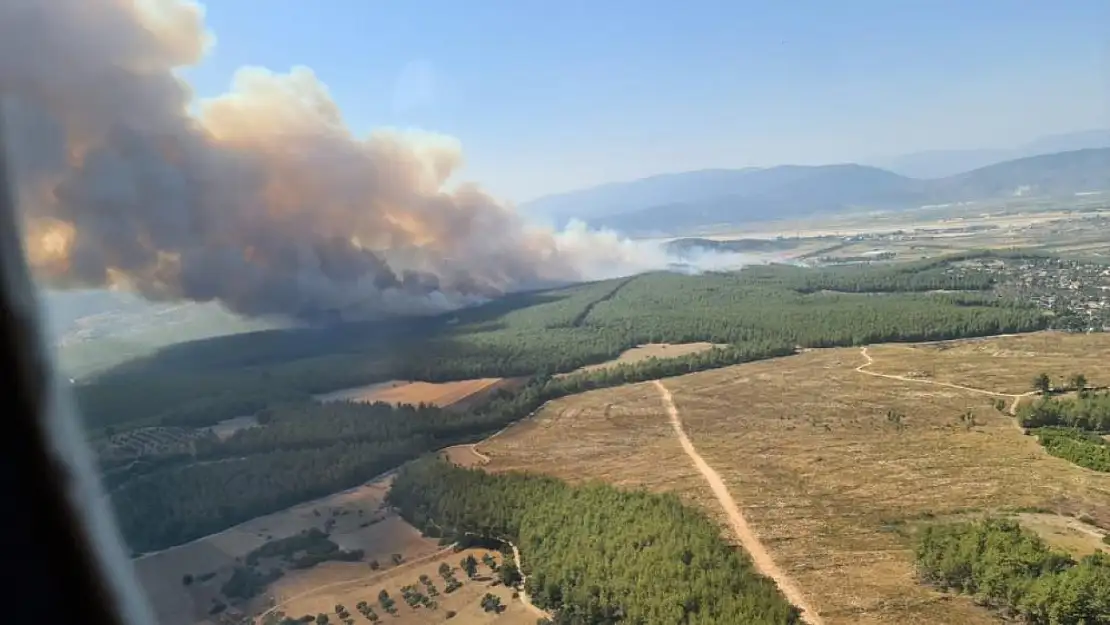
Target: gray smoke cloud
(261, 199)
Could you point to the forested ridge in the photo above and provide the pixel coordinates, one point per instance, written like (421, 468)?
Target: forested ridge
(594, 554)
(1011, 569)
(203, 382)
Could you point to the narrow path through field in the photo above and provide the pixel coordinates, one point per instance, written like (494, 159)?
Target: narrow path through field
(760, 557)
(1017, 397)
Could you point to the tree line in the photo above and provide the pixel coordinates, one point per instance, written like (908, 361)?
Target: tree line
(1085, 411)
(1069, 427)
(594, 554)
(1086, 449)
(1012, 570)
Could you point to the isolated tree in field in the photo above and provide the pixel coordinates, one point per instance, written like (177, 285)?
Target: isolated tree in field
(491, 603)
(1042, 383)
(321, 619)
(444, 569)
(469, 565)
(1078, 381)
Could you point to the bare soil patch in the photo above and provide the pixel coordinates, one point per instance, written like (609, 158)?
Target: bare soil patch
(648, 351)
(224, 429)
(1065, 533)
(464, 456)
(406, 392)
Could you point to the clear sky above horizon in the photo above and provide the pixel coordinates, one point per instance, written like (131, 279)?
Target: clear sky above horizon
(552, 96)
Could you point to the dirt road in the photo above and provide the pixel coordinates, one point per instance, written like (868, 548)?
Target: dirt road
(760, 558)
(524, 598)
(1016, 397)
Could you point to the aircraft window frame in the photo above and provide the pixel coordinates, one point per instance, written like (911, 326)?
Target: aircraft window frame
(66, 560)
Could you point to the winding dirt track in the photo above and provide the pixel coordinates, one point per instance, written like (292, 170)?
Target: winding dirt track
(524, 598)
(1015, 396)
(760, 558)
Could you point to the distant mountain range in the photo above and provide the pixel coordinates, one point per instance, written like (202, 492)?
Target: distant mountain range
(676, 203)
(943, 163)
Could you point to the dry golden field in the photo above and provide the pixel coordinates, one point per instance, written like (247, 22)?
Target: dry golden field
(1007, 364)
(360, 521)
(832, 468)
(404, 392)
(317, 593)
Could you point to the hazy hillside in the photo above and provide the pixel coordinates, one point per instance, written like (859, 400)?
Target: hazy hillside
(793, 191)
(1064, 173)
(94, 329)
(942, 163)
(622, 197)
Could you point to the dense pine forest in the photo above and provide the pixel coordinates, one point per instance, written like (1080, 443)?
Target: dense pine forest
(1012, 570)
(593, 553)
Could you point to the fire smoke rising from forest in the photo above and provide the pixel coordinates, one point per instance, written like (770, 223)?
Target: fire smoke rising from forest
(262, 199)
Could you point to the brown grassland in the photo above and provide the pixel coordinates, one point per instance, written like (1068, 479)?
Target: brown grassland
(646, 351)
(835, 469)
(361, 522)
(1066, 533)
(405, 392)
(1006, 364)
(316, 593)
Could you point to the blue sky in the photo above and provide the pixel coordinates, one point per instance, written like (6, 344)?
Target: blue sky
(555, 95)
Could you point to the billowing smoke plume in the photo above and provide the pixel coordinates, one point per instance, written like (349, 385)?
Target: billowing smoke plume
(262, 200)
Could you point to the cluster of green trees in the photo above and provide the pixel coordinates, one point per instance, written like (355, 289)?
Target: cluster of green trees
(1011, 569)
(1086, 411)
(246, 581)
(203, 382)
(593, 553)
(303, 550)
(1086, 449)
(1069, 427)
